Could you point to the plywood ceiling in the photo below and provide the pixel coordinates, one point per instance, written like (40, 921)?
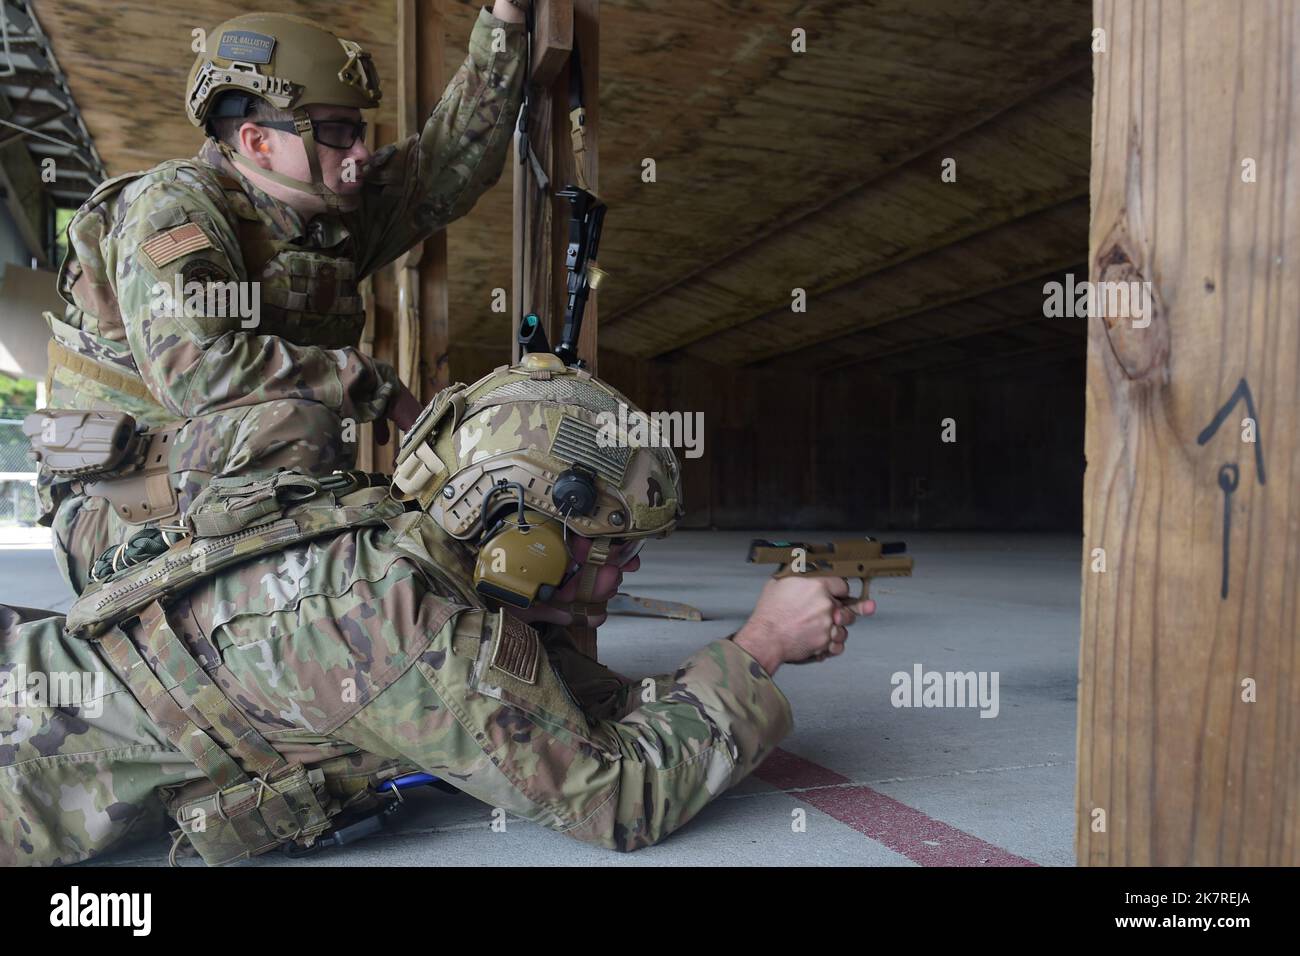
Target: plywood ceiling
(776, 170)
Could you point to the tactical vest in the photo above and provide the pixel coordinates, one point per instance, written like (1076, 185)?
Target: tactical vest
(253, 799)
(308, 296)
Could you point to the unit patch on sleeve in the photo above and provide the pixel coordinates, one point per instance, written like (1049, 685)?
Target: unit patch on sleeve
(204, 271)
(170, 244)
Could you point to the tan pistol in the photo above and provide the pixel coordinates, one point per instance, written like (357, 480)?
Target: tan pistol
(861, 558)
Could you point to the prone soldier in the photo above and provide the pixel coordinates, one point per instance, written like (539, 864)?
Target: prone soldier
(265, 681)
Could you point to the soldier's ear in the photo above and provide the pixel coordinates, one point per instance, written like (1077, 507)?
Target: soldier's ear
(256, 143)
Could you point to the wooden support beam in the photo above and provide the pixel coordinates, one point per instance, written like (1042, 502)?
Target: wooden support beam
(552, 40)
(1189, 695)
(999, 311)
(586, 34)
(1047, 131)
(586, 40)
(531, 287)
(366, 447)
(380, 335)
(1008, 253)
(423, 321)
(540, 223)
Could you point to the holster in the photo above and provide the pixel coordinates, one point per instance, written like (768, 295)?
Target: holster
(72, 443)
(106, 455)
(143, 492)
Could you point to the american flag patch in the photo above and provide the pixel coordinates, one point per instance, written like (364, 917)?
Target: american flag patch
(517, 649)
(170, 244)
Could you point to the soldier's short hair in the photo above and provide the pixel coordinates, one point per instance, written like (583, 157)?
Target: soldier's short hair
(226, 128)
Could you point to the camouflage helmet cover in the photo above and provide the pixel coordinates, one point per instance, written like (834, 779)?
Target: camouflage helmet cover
(528, 424)
(287, 61)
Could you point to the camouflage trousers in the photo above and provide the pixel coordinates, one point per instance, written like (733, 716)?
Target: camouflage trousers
(253, 440)
(357, 645)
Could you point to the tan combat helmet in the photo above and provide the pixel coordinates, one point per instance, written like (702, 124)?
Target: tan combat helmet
(289, 62)
(555, 438)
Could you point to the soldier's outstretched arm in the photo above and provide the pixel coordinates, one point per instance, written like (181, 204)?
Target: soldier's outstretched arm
(484, 709)
(419, 185)
(200, 354)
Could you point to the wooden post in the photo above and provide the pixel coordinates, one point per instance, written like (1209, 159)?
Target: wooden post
(423, 333)
(586, 30)
(1189, 696)
(586, 34)
(541, 225)
(366, 447)
(531, 280)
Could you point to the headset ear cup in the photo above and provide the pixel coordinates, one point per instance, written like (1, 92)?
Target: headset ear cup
(516, 563)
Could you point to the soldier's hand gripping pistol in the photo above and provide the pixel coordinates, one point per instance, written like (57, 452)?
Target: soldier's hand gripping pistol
(861, 558)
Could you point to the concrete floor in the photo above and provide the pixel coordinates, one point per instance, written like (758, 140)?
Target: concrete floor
(879, 785)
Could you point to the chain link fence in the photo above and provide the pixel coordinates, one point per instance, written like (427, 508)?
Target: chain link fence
(18, 503)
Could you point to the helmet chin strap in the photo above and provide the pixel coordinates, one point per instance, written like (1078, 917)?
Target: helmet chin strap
(302, 123)
(582, 608)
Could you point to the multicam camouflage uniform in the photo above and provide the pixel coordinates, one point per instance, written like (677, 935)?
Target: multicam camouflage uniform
(254, 400)
(365, 653)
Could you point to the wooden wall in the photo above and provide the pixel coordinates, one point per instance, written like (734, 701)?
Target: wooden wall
(847, 450)
(1016, 463)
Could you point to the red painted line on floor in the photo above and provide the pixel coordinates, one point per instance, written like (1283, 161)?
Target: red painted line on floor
(903, 829)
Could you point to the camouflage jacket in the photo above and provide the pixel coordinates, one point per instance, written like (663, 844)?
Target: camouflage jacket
(200, 220)
(358, 655)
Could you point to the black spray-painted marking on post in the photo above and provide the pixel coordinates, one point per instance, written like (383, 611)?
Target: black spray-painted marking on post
(1230, 474)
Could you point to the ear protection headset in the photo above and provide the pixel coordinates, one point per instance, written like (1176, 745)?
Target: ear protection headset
(526, 559)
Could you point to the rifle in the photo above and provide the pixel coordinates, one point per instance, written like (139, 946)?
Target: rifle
(861, 558)
(586, 215)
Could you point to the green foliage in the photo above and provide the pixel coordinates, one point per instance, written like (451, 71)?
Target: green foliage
(17, 391)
